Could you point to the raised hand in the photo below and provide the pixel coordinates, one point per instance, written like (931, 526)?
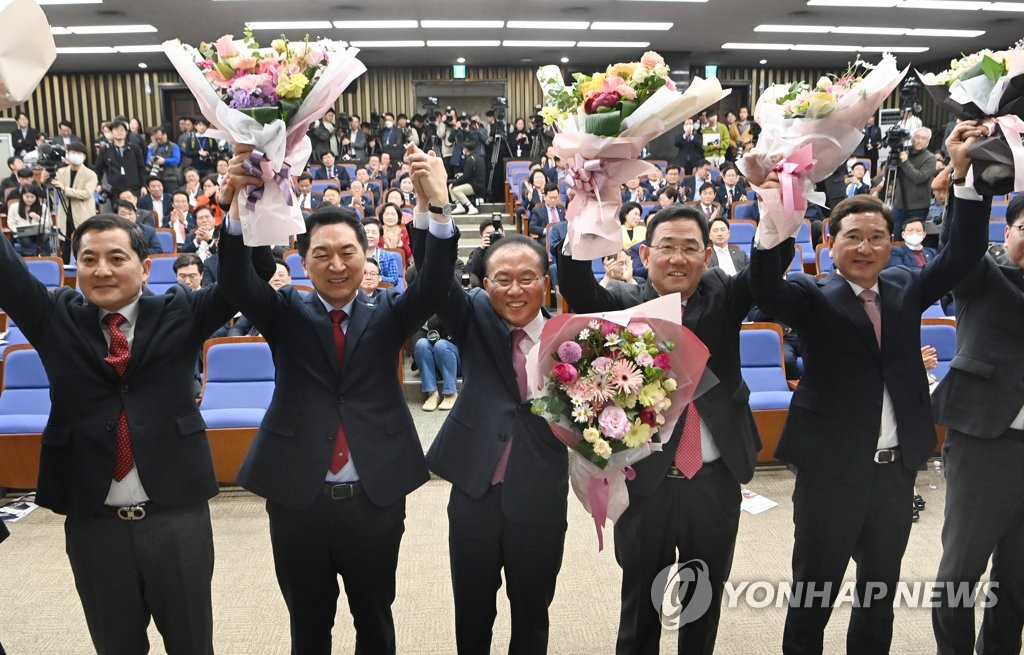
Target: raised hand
(962, 136)
(236, 181)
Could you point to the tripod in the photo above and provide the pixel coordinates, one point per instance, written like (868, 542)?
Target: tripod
(500, 144)
(892, 169)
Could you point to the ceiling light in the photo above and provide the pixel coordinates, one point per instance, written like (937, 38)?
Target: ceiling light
(931, 32)
(627, 26)
(86, 50)
(894, 48)
(1005, 6)
(464, 44)
(69, 2)
(860, 3)
(810, 47)
(564, 60)
(763, 62)
(757, 46)
(290, 25)
(796, 29)
(666, 0)
(547, 25)
(882, 31)
(111, 29)
(459, 24)
(59, 30)
(143, 64)
(460, 60)
(538, 44)
(139, 48)
(962, 5)
(613, 44)
(374, 24)
(387, 44)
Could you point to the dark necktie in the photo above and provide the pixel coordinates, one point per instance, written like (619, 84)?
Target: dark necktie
(340, 456)
(870, 301)
(519, 367)
(118, 356)
(689, 453)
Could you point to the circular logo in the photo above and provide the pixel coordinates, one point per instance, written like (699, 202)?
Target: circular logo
(682, 593)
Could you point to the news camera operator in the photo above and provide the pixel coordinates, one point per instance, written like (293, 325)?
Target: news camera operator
(912, 193)
(490, 231)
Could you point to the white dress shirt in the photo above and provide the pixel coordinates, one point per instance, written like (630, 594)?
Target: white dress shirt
(725, 261)
(708, 449)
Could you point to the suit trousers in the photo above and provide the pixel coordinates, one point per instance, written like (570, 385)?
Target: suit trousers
(352, 538)
(681, 521)
(482, 541)
(984, 518)
(129, 571)
(834, 520)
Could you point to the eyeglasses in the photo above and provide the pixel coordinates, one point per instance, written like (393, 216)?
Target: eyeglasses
(188, 276)
(523, 282)
(371, 274)
(875, 240)
(1019, 228)
(690, 250)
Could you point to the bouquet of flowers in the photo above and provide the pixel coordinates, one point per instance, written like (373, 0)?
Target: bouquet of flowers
(608, 385)
(267, 98)
(988, 86)
(806, 133)
(604, 121)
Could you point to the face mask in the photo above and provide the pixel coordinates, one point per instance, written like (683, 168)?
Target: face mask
(76, 159)
(388, 124)
(914, 239)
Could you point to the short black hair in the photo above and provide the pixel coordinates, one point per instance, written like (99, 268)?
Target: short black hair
(103, 222)
(671, 167)
(202, 208)
(550, 186)
(670, 191)
(127, 204)
(913, 219)
(179, 192)
(484, 224)
(706, 185)
(329, 215)
(702, 163)
(626, 208)
(522, 241)
(115, 124)
(1015, 208)
(305, 176)
(718, 219)
(190, 169)
(371, 221)
(187, 259)
(66, 123)
(12, 159)
(393, 206)
(856, 205)
(676, 213)
(371, 260)
(76, 146)
(329, 152)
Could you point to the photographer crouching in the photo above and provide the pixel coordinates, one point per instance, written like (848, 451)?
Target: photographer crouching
(469, 182)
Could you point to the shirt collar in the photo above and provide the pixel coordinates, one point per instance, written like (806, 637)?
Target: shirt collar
(533, 328)
(856, 287)
(129, 311)
(347, 307)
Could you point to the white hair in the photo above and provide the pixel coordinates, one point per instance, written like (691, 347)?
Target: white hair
(927, 131)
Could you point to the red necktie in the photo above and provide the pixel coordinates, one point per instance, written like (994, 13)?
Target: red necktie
(689, 454)
(870, 301)
(340, 456)
(118, 357)
(519, 366)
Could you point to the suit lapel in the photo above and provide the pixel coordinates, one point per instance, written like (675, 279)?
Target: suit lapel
(840, 293)
(890, 301)
(322, 327)
(694, 309)
(87, 316)
(362, 312)
(150, 308)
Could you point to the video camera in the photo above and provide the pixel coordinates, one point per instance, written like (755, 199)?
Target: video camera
(47, 155)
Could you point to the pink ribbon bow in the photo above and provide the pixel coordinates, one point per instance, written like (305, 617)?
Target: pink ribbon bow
(597, 499)
(790, 170)
(253, 166)
(586, 176)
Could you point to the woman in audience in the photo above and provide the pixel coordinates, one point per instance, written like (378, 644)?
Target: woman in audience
(532, 192)
(29, 211)
(633, 229)
(208, 198)
(408, 191)
(393, 233)
(435, 354)
(519, 141)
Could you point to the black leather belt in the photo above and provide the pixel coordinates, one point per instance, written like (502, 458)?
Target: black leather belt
(887, 455)
(706, 468)
(342, 490)
(132, 512)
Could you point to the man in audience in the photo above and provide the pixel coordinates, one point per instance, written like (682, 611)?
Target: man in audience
(715, 137)
(701, 176)
(180, 219)
(361, 199)
(331, 196)
(304, 192)
(390, 263)
(392, 138)
(23, 136)
(509, 474)
(913, 194)
(730, 258)
(331, 172)
(353, 142)
(475, 261)
(618, 268)
(980, 402)
(690, 147)
(706, 203)
(548, 213)
(157, 201)
(188, 268)
(120, 165)
(913, 253)
(164, 159)
(202, 240)
(672, 176)
(860, 426)
(15, 164)
(634, 192)
(730, 189)
(654, 182)
(337, 505)
(126, 210)
(144, 216)
(687, 496)
(470, 181)
(371, 278)
(364, 178)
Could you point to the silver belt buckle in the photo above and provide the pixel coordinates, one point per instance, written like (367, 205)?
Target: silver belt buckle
(887, 456)
(132, 513)
(342, 491)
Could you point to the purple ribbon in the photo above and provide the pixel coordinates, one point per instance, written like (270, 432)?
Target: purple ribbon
(253, 193)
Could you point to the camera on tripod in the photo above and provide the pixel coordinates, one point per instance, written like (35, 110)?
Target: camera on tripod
(47, 155)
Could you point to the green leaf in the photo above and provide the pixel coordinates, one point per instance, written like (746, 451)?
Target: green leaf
(584, 448)
(262, 115)
(628, 107)
(993, 68)
(604, 124)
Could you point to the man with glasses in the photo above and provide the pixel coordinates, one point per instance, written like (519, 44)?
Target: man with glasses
(860, 423)
(685, 502)
(188, 268)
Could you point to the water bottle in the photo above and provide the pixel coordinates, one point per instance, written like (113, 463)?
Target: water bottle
(936, 475)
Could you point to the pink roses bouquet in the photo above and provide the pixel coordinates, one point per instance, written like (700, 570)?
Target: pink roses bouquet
(604, 121)
(609, 385)
(267, 98)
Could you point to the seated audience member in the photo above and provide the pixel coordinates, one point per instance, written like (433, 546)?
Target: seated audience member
(690, 148)
(706, 204)
(435, 355)
(242, 326)
(29, 218)
(634, 192)
(193, 186)
(331, 172)
(667, 196)
(373, 189)
(331, 196)
(913, 253)
(618, 268)
(654, 182)
(856, 183)
(731, 188)
(360, 201)
(203, 239)
(701, 176)
(390, 262)
(395, 197)
(393, 233)
(728, 257)
(551, 211)
(145, 216)
(308, 200)
(531, 192)
(633, 229)
(156, 201)
(188, 268)
(208, 198)
(672, 176)
(126, 210)
(371, 278)
(180, 219)
(470, 181)
(408, 191)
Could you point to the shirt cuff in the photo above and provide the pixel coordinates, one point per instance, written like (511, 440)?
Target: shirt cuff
(966, 192)
(233, 226)
(441, 230)
(421, 220)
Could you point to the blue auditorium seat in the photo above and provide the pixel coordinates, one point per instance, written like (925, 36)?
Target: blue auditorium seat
(942, 337)
(238, 382)
(763, 370)
(25, 396)
(48, 270)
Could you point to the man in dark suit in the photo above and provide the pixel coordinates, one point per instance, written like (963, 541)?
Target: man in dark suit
(860, 423)
(337, 452)
(914, 253)
(548, 213)
(331, 172)
(699, 514)
(724, 255)
(308, 200)
(124, 452)
(128, 212)
(23, 136)
(354, 142)
(979, 401)
(509, 473)
(157, 201)
(730, 188)
(690, 147)
(635, 192)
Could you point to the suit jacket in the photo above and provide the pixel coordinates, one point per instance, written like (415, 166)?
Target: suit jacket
(152, 240)
(540, 216)
(835, 414)
(714, 313)
(739, 192)
(983, 390)
(904, 256)
(339, 173)
(642, 192)
(739, 258)
(690, 149)
(356, 150)
(146, 202)
(79, 195)
(23, 144)
(168, 432)
(291, 453)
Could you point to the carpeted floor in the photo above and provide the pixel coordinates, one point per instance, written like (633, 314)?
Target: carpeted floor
(40, 613)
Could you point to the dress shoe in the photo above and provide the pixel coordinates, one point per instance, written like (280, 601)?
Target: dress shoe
(448, 402)
(430, 404)
(919, 503)
(915, 516)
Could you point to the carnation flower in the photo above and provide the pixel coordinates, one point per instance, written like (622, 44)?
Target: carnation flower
(652, 59)
(626, 377)
(613, 422)
(602, 364)
(602, 449)
(662, 362)
(591, 435)
(570, 352)
(226, 46)
(644, 359)
(651, 394)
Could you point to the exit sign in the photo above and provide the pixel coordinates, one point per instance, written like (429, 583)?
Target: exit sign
(710, 71)
(459, 71)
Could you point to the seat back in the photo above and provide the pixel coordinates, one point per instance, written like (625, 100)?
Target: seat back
(940, 333)
(294, 263)
(168, 242)
(741, 231)
(796, 265)
(25, 389)
(48, 270)
(803, 239)
(161, 273)
(238, 372)
(998, 211)
(743, 210)
(761, 362)
(997, 232)
(823, 258)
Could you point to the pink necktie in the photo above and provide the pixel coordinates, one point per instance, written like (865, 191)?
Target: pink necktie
(340, 456)
(870, 301)
(519, 366)
(554, 215)
(118, 357)
(689, 454)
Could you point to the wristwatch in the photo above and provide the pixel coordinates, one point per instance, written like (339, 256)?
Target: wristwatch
(445, 210)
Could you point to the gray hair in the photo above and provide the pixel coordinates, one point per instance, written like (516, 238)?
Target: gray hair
(926, 130)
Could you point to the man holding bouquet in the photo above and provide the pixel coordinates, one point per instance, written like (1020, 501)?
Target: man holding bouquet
(684, 503)
(860, 423)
